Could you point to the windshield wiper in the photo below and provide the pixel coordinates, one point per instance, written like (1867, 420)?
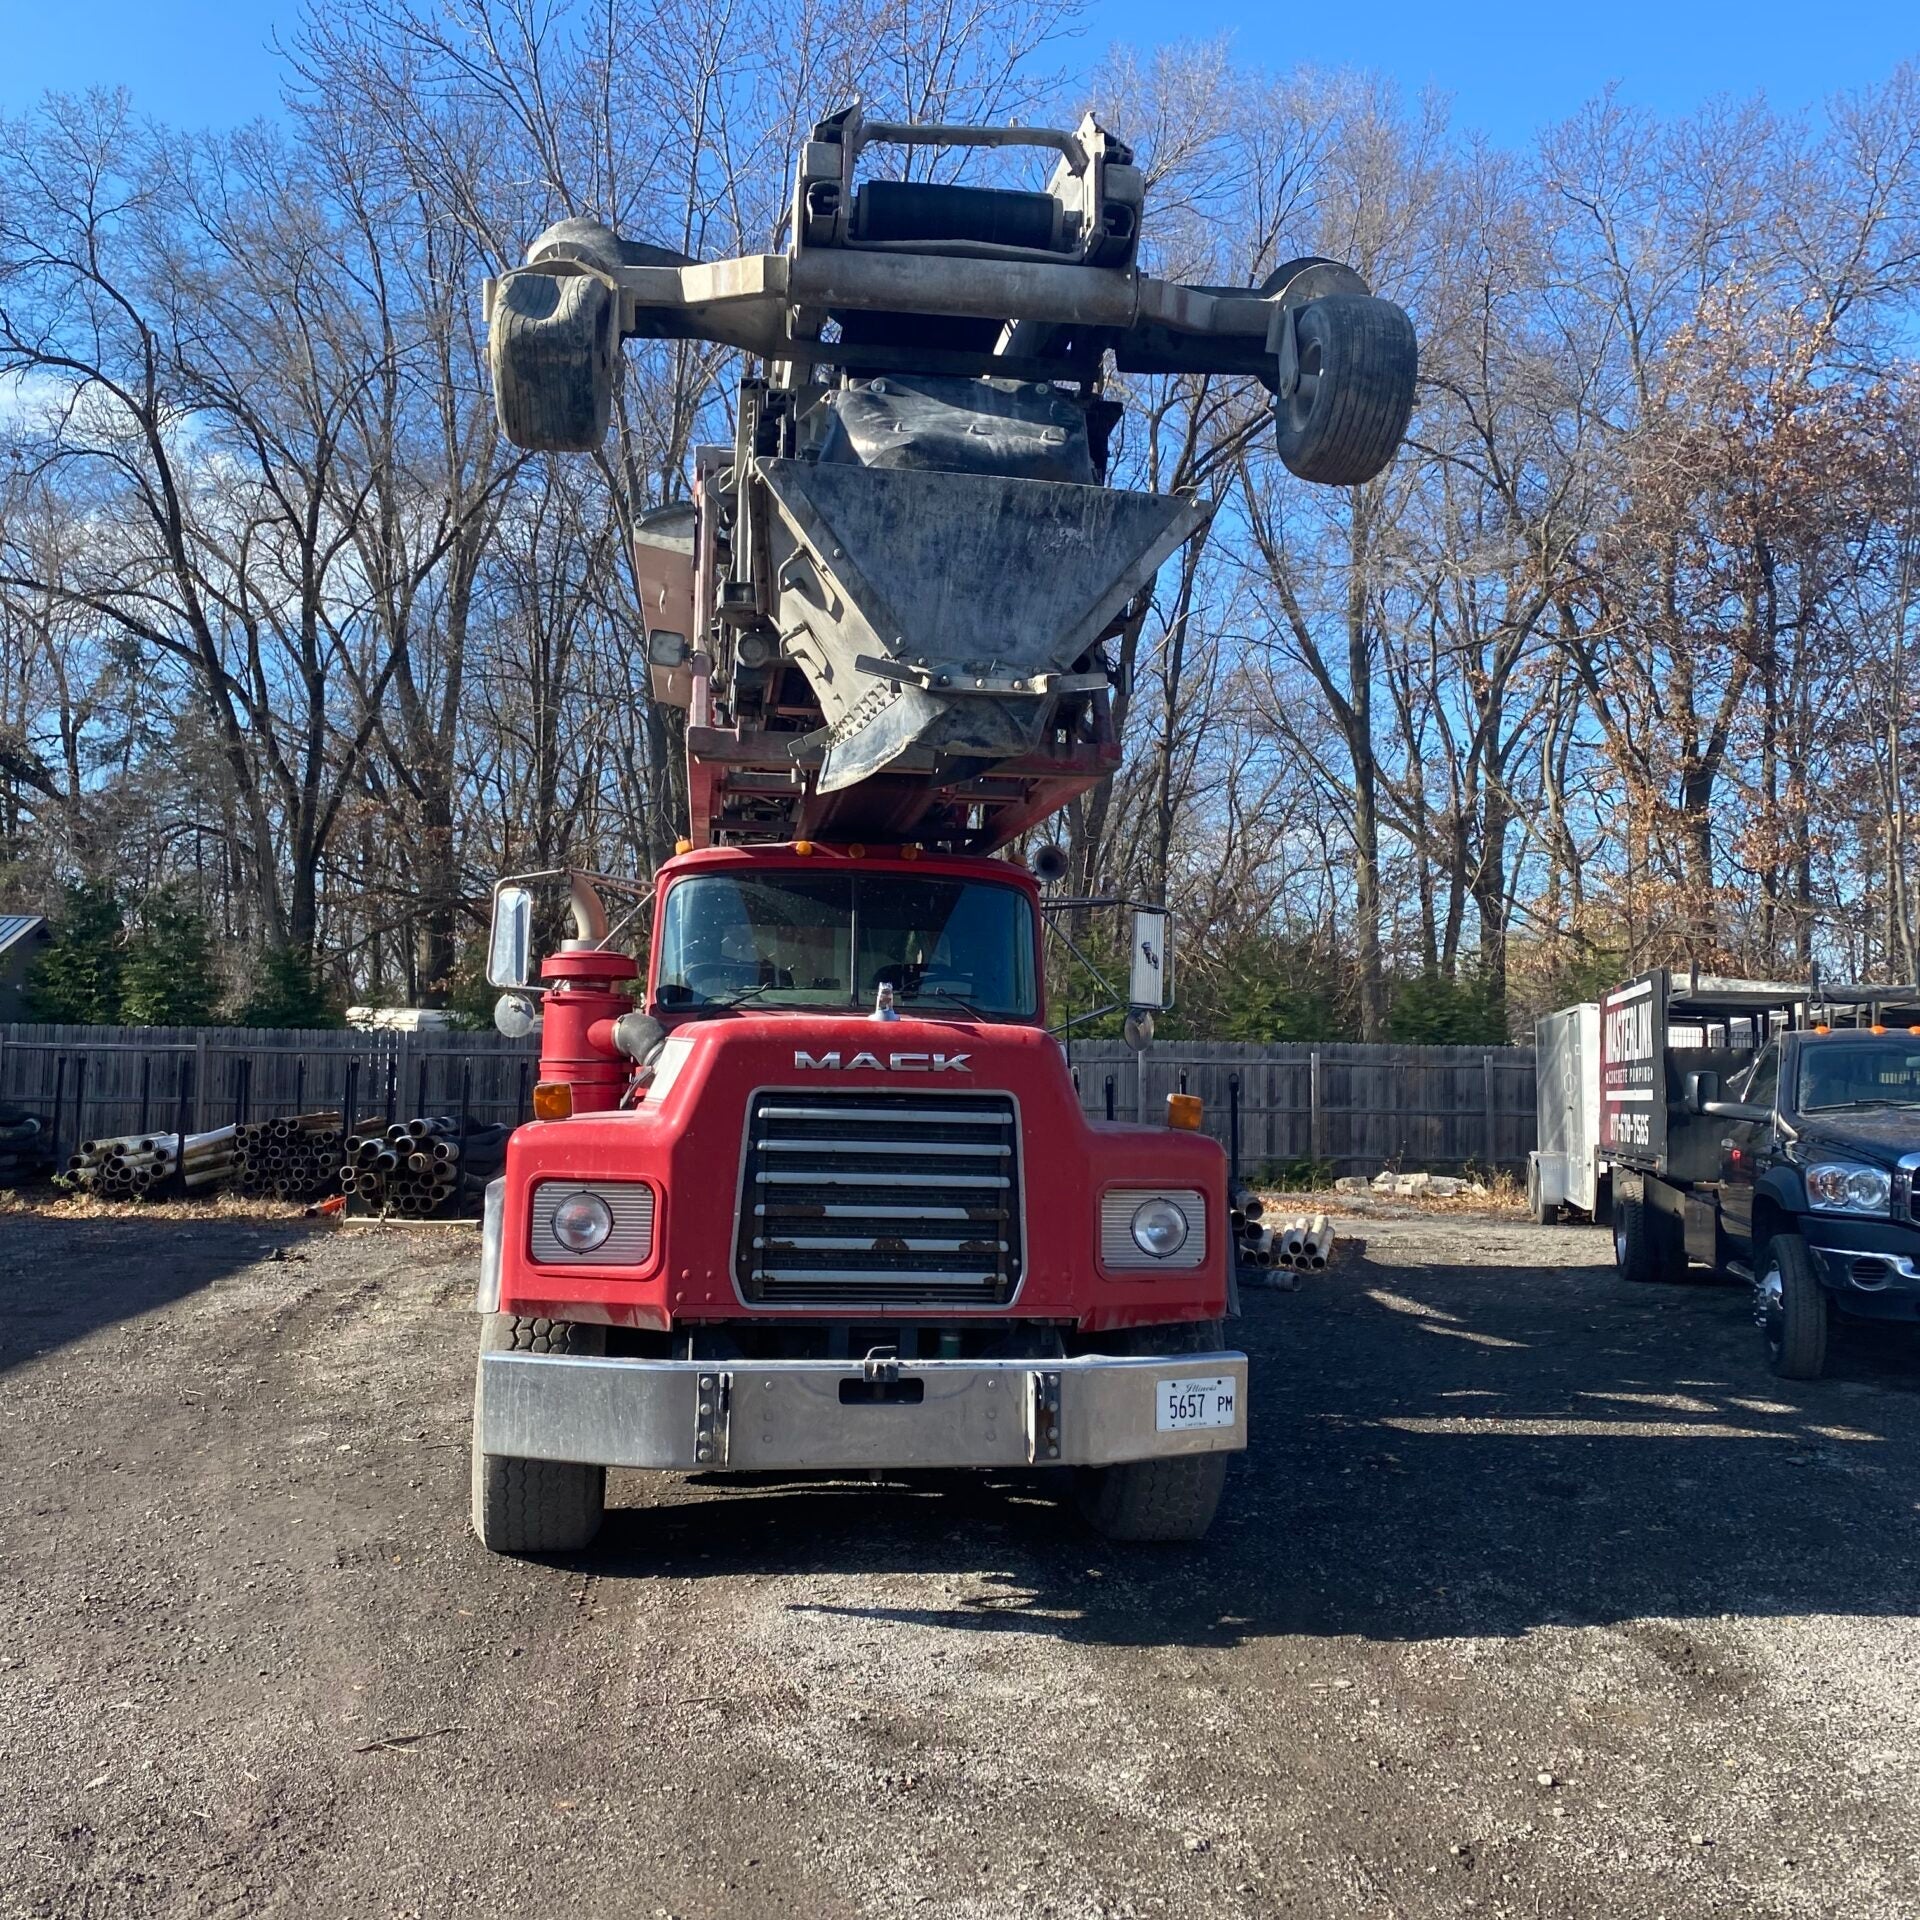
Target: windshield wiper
(1850, 1106)
(941, 993)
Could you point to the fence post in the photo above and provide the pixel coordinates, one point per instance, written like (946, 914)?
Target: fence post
(201, 1079)
(403, 1059)
(59, 1093)
(347, 1091)
(1233, 1129)
(1316, 1115)
(146, 1081)
(1486, 1071)
(79, 1098)
(183, 1097)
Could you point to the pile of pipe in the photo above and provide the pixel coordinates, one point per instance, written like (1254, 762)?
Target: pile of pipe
(293, 1159)
(411, 1167)
(1303, 1243)
(26, 1148)
(137, 1163)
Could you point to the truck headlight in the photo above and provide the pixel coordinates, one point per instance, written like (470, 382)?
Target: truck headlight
(582, 1222)
(1839, 1187)
(1159, 1228)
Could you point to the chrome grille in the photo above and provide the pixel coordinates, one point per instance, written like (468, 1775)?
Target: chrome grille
(879, 1200)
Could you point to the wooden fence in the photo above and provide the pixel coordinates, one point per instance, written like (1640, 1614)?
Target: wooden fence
(1338, 1104)
(95, 1081)
(1349, 1107)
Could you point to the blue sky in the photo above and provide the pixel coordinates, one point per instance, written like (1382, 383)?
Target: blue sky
(1510, 67)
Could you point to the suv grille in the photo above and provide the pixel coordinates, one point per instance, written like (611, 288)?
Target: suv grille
(880, 1199)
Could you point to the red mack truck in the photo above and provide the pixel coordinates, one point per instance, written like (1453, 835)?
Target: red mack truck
(818, 1194)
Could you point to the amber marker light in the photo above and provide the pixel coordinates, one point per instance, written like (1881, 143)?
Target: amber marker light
(855, 851)
(913, 853)
(683, 846)
(1184, 1111)
(1876, 1029)
(803, 847)
(553, 1100)
(1823, 1029)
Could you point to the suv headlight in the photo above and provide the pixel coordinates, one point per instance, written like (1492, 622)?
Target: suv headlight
(1159, 1228)
(582, 1222)
(1839, 1187)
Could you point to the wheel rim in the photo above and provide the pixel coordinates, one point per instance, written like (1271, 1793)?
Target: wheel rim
(1300, 401)
(1770, 1308)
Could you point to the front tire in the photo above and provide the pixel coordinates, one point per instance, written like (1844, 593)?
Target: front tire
(1348, 414)
(1791, 1306)
(1172, 1498)
(535, 1506)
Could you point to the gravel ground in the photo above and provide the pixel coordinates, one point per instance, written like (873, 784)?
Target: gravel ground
(1535, 1596)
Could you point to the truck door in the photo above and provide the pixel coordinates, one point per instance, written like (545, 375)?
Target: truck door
(1746, 1147)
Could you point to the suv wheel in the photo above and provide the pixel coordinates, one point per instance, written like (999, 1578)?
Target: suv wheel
(1791, 1307)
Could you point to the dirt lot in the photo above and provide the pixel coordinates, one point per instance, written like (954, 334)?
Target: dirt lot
(1535, 1596)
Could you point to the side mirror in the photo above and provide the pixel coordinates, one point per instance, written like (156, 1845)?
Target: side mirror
(517, 1015)
(1150, 971)
(510, 938)
(1701, 1090)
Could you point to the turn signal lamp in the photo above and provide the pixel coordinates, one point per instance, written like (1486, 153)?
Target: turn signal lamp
(553, 1100)
(1184, 1111)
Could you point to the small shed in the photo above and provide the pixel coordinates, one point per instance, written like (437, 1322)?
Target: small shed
(23, 937)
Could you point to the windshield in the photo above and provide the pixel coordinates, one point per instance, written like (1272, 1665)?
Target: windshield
(831, 939)
(1859, 1073)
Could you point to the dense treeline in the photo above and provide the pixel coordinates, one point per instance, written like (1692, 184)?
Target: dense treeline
(1609, 669)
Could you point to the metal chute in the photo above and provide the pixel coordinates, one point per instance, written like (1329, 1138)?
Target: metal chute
(939, 616)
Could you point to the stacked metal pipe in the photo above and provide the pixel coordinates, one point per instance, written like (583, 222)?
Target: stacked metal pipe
(411, 1167)
(132, 1164)
(289, 1159)
(1303, 1243)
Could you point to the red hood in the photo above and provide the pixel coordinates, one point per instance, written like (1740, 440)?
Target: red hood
(686, 1137)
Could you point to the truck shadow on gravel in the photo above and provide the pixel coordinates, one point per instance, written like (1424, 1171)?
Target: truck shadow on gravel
(1438, 1451)
(63, 1279)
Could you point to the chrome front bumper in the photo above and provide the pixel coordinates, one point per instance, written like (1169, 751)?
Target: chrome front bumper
(752, 1416)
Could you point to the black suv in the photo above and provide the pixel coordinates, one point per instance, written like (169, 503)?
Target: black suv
(1816, 1202)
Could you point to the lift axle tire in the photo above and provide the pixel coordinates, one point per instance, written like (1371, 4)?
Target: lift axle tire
(535, 1506)
(1791, 1306)
(1646, 1243)
(1173, 1498)
(551, 347)
(1358, 363)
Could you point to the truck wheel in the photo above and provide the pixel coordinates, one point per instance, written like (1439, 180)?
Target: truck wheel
(535, 1506)
(1644, 1244)
(1791, 1306)
(551, 346)
(1543, 1211)
(1358, 360)
(1168, 1499)
(1172, 1499)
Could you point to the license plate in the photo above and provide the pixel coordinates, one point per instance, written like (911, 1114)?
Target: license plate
(1182, 1405)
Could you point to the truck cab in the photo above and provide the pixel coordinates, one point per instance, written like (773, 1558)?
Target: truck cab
(1760, 1137)
(826, 1201)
